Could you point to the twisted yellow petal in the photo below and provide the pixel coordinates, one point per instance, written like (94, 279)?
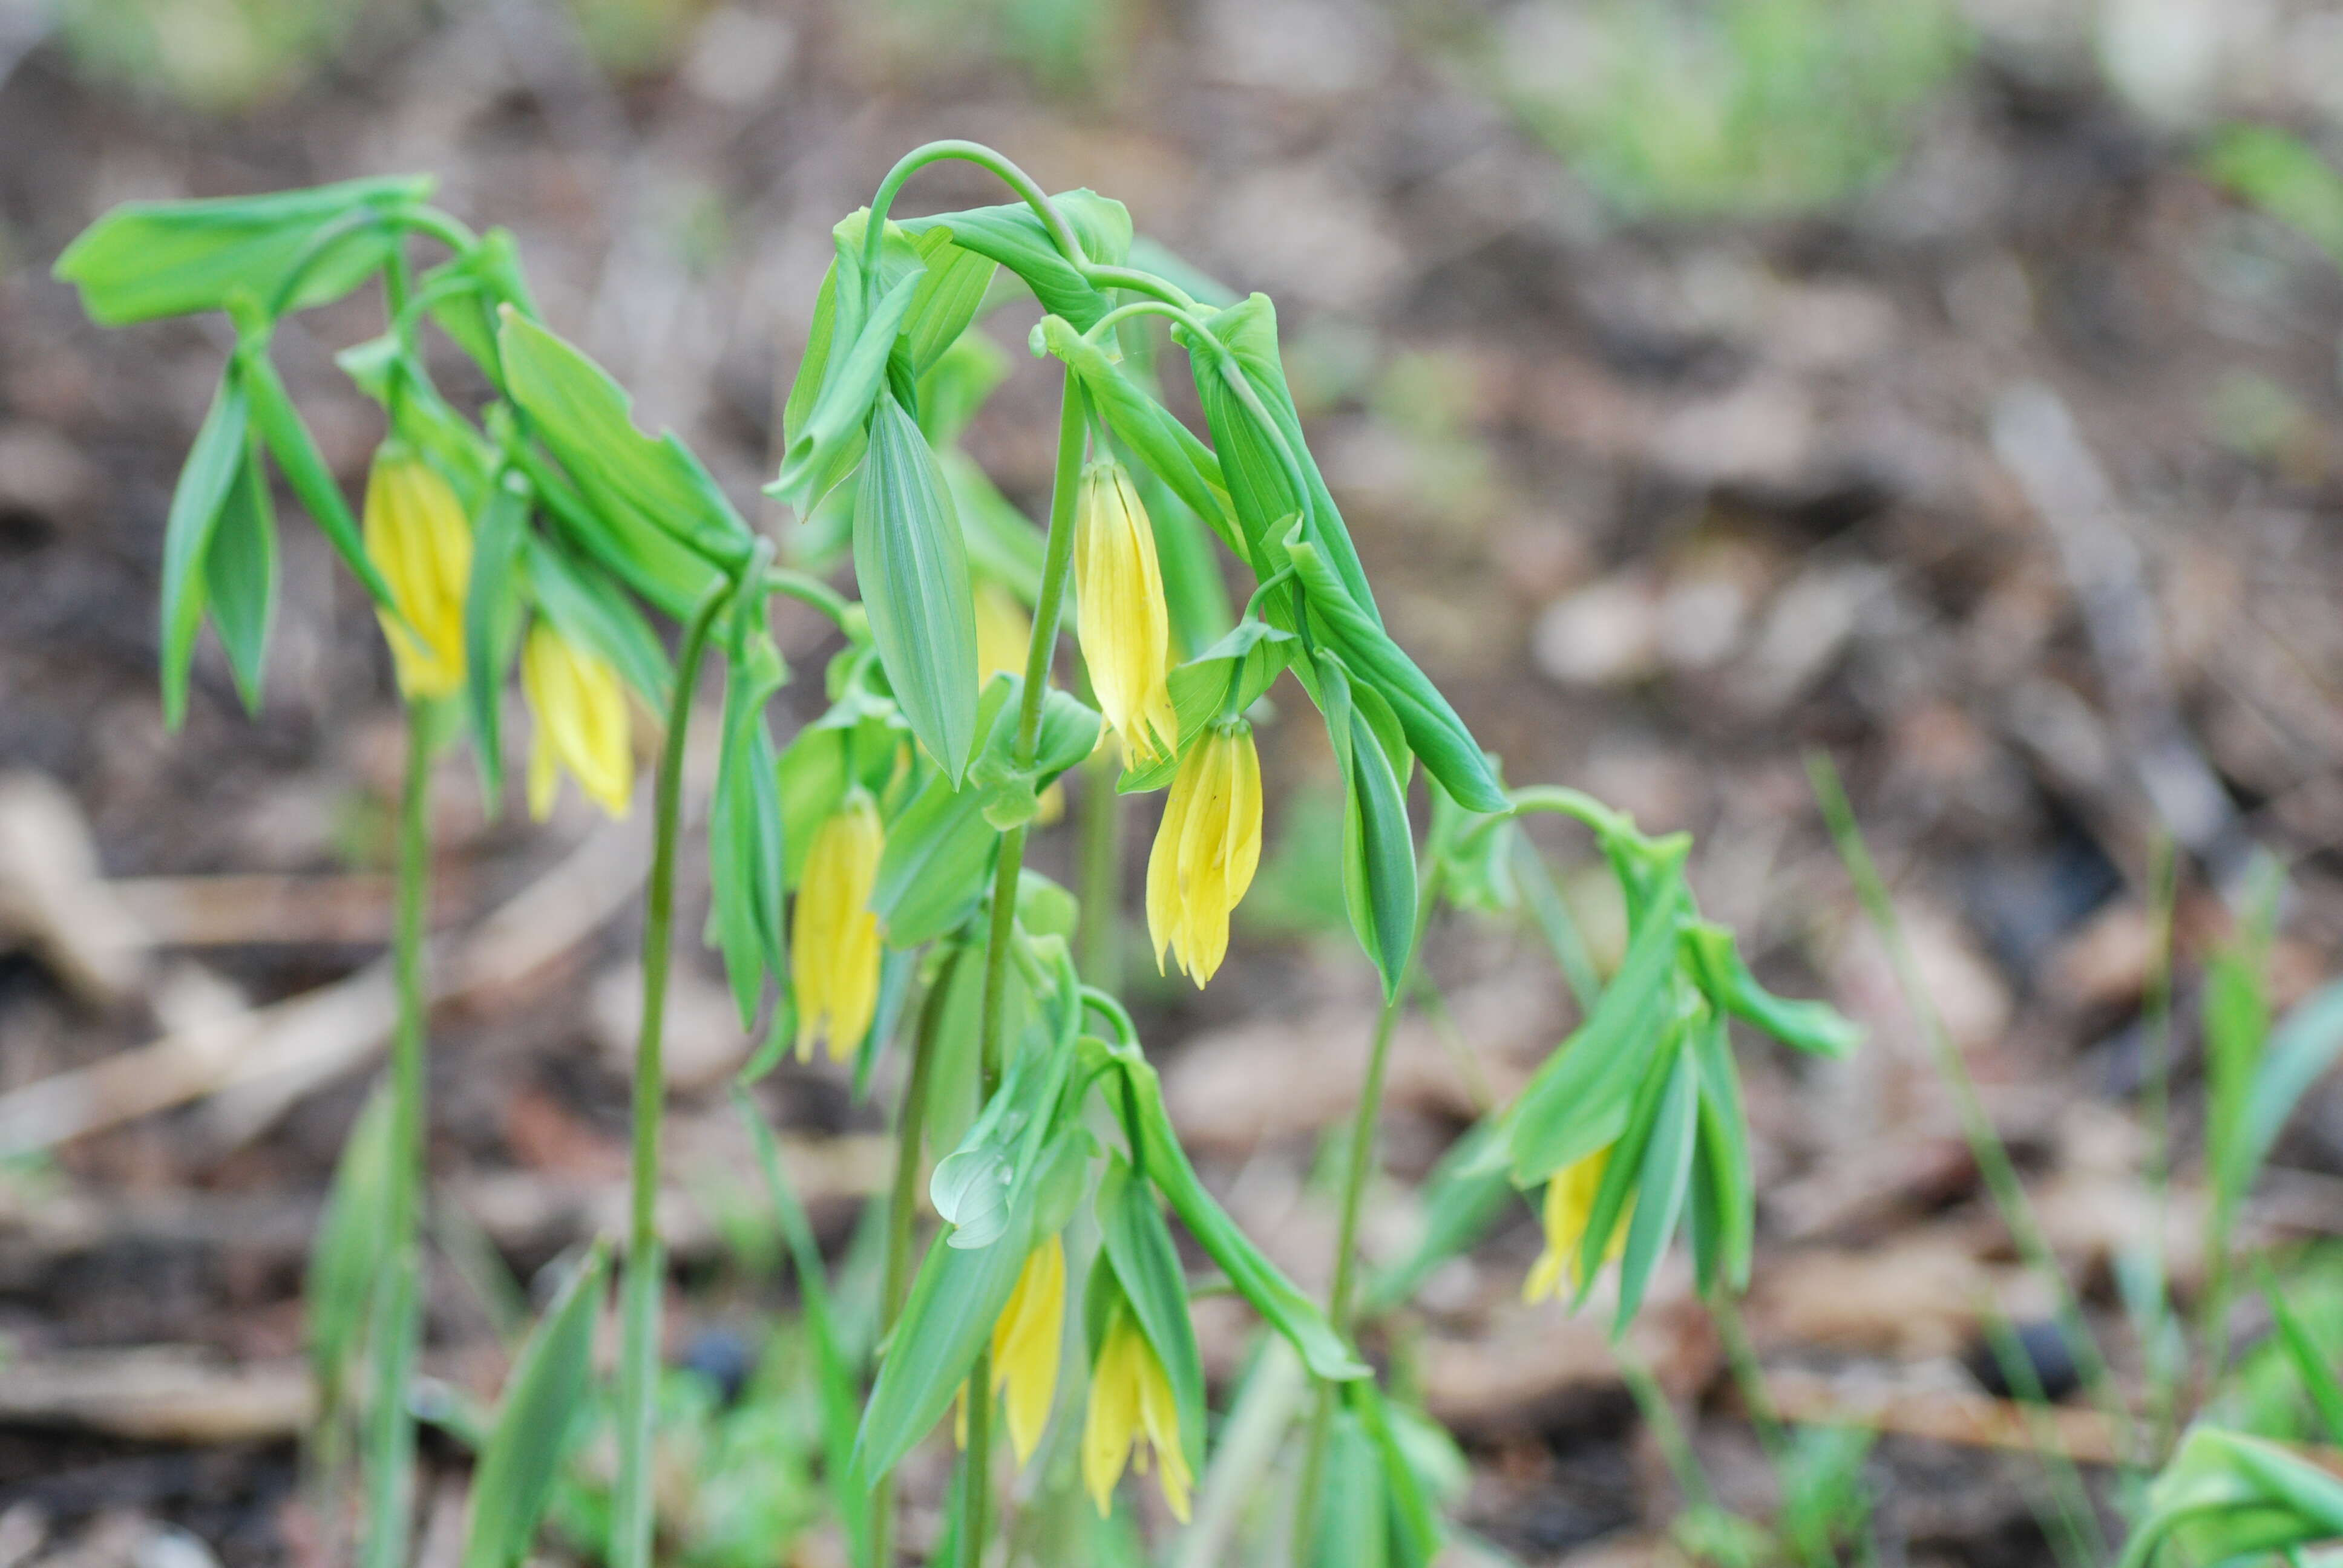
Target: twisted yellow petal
(579, 710)
(416, 534)
(834, 935)
(1124, 629)
(1206, 851)
(1131, 1411)
(1025, 1344)
(1569, 1208)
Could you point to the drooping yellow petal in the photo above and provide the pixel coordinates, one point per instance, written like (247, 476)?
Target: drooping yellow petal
(416, 533)
(1004, 632)
(1206, 851)
(1111, 1420)
(1122, 623)
(1132, 1416)
(1569, 1208)
(1026, 1340)
(834, 935)
(579, 709)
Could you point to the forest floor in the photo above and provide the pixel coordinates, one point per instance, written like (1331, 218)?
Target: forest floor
(2008, 485)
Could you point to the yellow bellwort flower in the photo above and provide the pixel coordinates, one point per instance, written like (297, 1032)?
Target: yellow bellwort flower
(1124, 628)
(1206, 851)
(1132, 1411)
(1569, 1208)
(417, 536)
(1026, 1338)
(834, 935)
(579, 711)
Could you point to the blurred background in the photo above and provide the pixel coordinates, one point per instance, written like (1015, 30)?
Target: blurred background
(1705, 383)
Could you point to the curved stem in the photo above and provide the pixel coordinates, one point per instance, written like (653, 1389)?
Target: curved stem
(398, 1319)
(812, 590)
(631, 1525)
(1061, 234)
(1358, 1164)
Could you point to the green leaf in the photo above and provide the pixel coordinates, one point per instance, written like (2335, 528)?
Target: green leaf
(288, 440)
(346, 1258)
(1462, 1197)
(949, 294)
(1726, 1190)
(913, 571)
(513, 1480)
(744, 837)
(1163, 446)
(1352, 1525)
(1243, 352)
(469, 317)
(240, 575)
(146, 260)
(492, 624)
(1200, 689)
(2318, 1378)
(845, 365)
(948, 1318)
(1419, 1461)
(836, 1375)
(1378, 849)
(1434, 732)
(1014, 237)
(1002, 542)
(1715, 965)
(1138, 1244)
(1576, 1103)
(2285, 178)
(205, 482)
(1661, 1184)
(2298, 1054)
(1276, 1298)
(593, 612)
(587, 421)
(954, 387)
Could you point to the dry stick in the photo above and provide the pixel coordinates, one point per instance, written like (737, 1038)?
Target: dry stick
(632, 1508)
(1358, 1162)
(1986, 1146)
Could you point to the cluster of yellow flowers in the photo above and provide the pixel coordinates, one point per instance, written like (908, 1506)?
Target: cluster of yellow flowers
(1131, 1416)
(1210, 840)
(417, 536)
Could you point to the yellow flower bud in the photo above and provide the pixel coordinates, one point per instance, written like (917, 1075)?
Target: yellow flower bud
(417, 536)
(1206, 851)
(1124, 628)
(1132, 1411)
(1026, 1340)
(1004, 632)
(1569, 1210)
(579, 711)
(834, 935)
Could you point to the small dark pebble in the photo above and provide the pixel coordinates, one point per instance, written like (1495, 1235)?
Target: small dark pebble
(2042, 1345)
(723, 1357)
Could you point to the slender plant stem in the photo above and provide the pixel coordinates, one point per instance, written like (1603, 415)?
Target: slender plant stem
(397, 1316)
(1359, 1163)
(1994, 1164)
(632, 1521)
(1056, 561)
(1099, 939)
(902, 1207)
(2165, 1370)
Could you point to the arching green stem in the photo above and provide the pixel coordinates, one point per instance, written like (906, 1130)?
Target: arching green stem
(639, 1334)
